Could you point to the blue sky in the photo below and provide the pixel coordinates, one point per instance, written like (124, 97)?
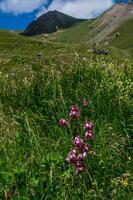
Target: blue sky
(16, 14)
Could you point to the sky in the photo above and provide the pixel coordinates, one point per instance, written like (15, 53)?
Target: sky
(17, 14)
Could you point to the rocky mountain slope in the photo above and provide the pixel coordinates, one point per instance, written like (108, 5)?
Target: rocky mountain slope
(100, 28)
(112, 19)
(49, 23)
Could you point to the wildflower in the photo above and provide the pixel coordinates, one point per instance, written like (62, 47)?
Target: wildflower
(75, 108)
(72, 157)
(80, 157)
(63, 122)
(74, 114)
(80, 166)
(129, 158)
(85, 103)
(78, 154)
(79, 169)
(88, 126)
(84, 150)
(125, 182)
(78, 142)
(89, 135)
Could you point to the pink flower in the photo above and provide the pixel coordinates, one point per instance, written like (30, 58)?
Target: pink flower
(79, 169)
(72, 157)
(63, 122)
(84, 150)
(85, 103)
(80, 166)
(88, 126)
(89, 135)
(80, 157)
(74, 114)
(78, 142)
(75, 108)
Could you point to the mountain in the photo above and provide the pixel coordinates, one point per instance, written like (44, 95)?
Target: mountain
(101, 28)
(49, 23)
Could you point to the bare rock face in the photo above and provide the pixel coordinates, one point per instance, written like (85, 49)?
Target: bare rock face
(49, 23)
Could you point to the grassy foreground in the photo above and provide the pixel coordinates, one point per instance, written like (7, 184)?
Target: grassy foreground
(35, 94)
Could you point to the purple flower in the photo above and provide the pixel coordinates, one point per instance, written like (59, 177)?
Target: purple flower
(84, 150)
(79, 169)
(89, 135)
(74, 114)
(63, 122)
(80, 157)
(88, 126)
(78, 142)
(75, 108)
(72, 157)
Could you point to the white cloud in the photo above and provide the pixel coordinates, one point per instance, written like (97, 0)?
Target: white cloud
(20, 6)
(76, 8)
(79, 8)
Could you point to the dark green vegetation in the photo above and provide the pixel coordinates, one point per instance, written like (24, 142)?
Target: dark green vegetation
(36, 92)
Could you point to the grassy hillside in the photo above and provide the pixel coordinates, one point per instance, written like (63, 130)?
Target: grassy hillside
(16, 50)
(79, 33)
(35, 93)
(124, 41)
(119, 18)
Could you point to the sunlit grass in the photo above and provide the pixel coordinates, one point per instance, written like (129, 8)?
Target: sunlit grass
(33, 147)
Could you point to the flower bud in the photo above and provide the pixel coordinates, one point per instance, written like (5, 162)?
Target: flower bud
(79, 169)
(78, 142)
(75, 108)
(72, 157)
(63, 122)
(74, 114)
(89, 135)
(88, 126)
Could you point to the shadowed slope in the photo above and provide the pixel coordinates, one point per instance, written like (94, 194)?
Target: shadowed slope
(49, 23)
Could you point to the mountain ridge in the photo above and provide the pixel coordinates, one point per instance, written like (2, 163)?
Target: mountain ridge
(49, 23)
(100, 28)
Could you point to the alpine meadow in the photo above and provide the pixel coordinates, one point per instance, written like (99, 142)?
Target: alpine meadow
(66, 108)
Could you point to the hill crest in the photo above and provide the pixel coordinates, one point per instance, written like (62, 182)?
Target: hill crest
(49, 23)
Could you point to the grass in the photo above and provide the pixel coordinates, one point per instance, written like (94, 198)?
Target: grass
(124, 41)
(36, 93)
(80, 33)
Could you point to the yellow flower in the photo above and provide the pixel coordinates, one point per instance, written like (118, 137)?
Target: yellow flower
(129, 158)
(125, 182)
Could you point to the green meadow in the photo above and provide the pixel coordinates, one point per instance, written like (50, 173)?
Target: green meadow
(36, 92)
